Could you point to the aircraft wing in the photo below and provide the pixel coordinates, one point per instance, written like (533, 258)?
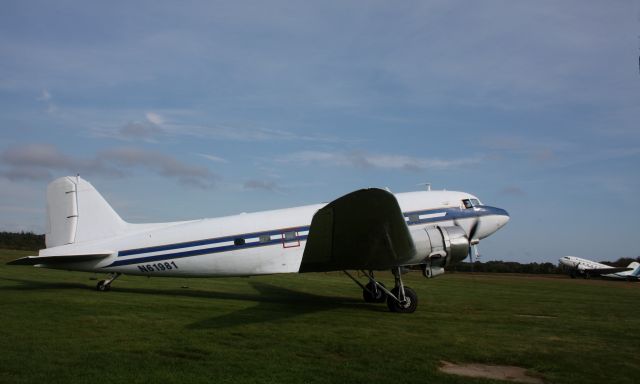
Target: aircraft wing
(364, 229)
(58, 259)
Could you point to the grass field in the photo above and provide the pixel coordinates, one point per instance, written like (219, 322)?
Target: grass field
(313, 328)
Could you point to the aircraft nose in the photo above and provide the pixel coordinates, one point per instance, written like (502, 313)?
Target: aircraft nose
(493, 220)
(502, 217)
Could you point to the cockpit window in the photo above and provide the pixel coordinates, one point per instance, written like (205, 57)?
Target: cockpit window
(470, 203)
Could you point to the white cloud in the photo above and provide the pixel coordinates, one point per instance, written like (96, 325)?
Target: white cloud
(365, 160)
(43, 161)
(44, 95)
(266, 185)
(154, 118)
(155, 125)
(241, 133)
(46, 98)
(139, 130)
(165, 165)
(215, 159)
(36, 155)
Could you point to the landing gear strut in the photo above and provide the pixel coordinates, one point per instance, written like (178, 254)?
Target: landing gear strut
(105, 285)
(374, 291)
(400, 299)
(372, 294)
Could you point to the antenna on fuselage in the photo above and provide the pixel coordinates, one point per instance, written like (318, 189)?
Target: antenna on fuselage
(426, 185)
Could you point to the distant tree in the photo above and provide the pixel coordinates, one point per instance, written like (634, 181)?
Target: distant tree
(27, 241)
(621, 262)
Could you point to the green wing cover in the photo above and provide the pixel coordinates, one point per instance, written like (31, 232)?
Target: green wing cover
(364, 229)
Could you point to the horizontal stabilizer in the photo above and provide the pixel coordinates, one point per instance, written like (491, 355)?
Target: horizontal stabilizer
(600, 271)
(59, 259)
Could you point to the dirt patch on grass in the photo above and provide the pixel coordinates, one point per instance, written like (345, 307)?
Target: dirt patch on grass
(495, 372)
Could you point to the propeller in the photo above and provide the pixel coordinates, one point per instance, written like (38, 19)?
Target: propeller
(473, 248)
(473, 244)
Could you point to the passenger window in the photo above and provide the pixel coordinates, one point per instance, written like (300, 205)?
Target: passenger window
(290, 239)
(239, 241)
(265, 238)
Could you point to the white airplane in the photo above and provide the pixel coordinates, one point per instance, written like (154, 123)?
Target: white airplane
(368, 230)
(631, 275)
(588, 268)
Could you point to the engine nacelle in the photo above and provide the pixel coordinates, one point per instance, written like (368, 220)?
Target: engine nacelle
(437, 247)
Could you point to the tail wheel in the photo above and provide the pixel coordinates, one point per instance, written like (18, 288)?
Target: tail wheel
(373, 294)
(408, 305)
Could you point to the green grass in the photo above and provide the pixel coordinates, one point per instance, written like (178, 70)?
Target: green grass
(313, 328)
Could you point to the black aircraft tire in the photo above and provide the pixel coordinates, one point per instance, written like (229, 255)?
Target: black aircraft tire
(370, 298)
(410, 304)
(102, 287)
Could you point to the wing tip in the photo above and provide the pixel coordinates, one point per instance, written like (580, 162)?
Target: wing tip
(22, 261)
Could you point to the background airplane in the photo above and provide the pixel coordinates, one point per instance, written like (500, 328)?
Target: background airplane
(367, 230)
(587, 268)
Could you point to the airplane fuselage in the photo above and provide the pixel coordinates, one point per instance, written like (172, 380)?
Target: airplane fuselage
(588, 268)
(581, 264)
(258, 243)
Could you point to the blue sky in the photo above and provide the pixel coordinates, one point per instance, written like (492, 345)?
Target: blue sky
(178, 110)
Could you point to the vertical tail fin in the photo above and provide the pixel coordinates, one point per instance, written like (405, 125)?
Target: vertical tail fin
(636, 269)
(76, 213)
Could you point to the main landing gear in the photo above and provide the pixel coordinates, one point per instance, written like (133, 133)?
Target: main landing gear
(400, 299)
(105, 285)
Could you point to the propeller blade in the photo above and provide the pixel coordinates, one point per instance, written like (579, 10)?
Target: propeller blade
(474, 229)
(472, 233)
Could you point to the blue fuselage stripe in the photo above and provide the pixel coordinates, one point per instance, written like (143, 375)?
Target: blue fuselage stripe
(197, 243)
(452, 214)
(205, 251)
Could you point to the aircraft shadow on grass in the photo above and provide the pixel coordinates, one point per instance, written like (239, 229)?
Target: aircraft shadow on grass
(29, 285)
(273, 302)
(278, 303)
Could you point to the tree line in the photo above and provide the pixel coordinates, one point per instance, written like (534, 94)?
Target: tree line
(24, 241)
(499, 266)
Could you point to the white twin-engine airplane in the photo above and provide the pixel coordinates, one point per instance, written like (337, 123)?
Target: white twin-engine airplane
(368, 230)
(588, 268)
